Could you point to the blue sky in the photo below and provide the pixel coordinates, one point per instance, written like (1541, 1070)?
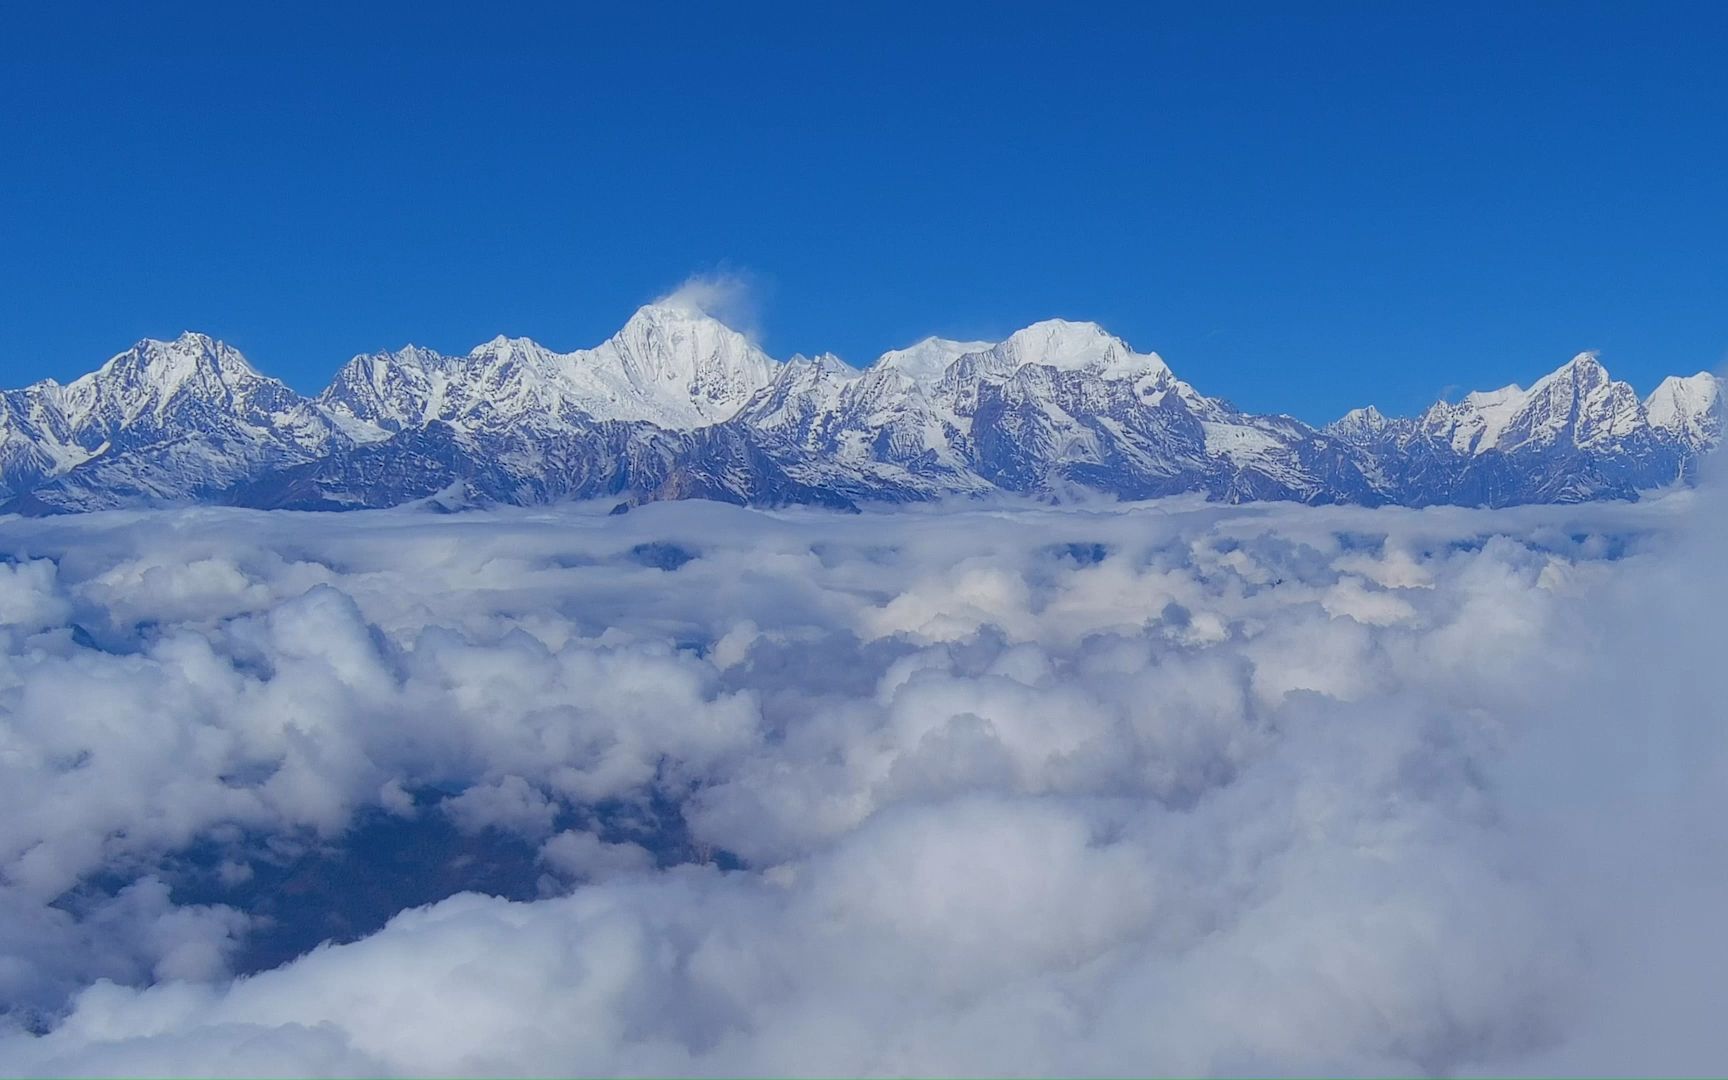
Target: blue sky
(1302, 207)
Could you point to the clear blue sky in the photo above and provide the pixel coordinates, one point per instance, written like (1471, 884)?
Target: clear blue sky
(1303, 207)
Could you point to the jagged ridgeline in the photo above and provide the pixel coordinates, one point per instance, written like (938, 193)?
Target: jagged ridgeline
(677, 405)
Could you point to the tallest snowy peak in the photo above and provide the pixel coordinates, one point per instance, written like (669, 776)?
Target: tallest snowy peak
(669, 365)
(675, 320)
(1584, 370)
(188, 340)
(671, 312)
(684, 351)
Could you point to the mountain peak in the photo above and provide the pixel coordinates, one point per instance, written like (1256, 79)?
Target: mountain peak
(1578, 379)
(1584, 370)
(1065, 333)
(691, 357)
(1077, 346)
(1359, 425)
(1511, 394)
(417, 354)
(191, 379)
(925, 361)
(386, 362)
(1577, 402)
(504, 345)
(676, 324)
(1688, 406)
(190, 339)
(1476, 422)
(827, 363)
(165, 365)
(671, 310)
(409, 355)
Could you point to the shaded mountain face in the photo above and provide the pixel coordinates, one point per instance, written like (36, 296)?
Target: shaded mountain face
(1575, 435)
(162, 421)
(677, 405)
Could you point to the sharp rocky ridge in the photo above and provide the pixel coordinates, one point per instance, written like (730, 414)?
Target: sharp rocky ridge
(678, 405)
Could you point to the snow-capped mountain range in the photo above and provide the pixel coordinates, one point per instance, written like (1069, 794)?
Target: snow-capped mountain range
(678, 405)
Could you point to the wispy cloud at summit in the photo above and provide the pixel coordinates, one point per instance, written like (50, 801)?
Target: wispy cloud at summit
(731, 296)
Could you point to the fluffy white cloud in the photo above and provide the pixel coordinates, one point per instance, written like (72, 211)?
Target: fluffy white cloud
(1002, 789)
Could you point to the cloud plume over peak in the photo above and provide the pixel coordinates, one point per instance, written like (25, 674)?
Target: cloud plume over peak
(731, 296)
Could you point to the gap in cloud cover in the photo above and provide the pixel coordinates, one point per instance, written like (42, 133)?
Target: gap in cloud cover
(301, 890)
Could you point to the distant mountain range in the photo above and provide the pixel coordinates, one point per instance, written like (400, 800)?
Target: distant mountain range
(677, 405)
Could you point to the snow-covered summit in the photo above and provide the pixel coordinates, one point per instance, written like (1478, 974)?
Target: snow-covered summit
(672, 351)
(162, 420)
(377, 393)
(1689, 407)
(1081, 347)
(1076, 346)
(1362, 425)
(153, 375)
(1475, 422)
(1577, 403)
(925, 362)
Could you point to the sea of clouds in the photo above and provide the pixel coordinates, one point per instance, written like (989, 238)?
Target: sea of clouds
(1006, 789)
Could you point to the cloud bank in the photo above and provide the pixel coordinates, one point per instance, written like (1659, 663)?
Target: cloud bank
(1172, 788)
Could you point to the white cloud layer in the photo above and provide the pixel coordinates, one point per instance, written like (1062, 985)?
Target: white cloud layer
(1162, 789)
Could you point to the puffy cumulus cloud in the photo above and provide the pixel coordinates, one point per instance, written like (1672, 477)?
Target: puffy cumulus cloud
(29, 601)
(1000, 789)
